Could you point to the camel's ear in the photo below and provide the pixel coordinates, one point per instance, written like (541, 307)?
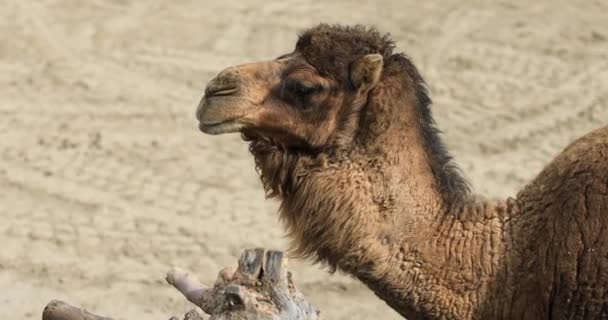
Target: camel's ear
(365, 72)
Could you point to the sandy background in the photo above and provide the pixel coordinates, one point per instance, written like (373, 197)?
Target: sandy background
(105, 180)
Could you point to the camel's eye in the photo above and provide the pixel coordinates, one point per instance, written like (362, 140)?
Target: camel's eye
(300, 94)
(298, 89)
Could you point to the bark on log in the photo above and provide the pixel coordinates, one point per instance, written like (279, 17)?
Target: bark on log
(260, 288)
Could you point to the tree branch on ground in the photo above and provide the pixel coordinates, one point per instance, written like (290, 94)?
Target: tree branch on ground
(259, 288)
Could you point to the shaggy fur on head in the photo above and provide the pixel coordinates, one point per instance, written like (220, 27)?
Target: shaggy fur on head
(332, 49)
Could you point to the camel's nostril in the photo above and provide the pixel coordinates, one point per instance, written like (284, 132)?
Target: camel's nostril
(220, 91)
(225, 83)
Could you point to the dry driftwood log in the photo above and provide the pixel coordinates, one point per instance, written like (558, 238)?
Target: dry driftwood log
(259, 288)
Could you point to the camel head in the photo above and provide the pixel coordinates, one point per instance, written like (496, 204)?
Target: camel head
(308, 98)
(341, 89)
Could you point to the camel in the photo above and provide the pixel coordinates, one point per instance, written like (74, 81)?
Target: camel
(342, 135)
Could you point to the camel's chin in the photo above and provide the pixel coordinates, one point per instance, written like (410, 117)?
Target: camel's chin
(220, 128)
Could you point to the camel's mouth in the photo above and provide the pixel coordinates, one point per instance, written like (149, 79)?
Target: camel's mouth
(221, 113)
(221, 127)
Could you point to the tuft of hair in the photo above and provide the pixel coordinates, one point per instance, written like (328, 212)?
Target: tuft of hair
(332, 48)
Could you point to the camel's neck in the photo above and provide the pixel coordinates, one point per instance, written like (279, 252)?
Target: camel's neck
(452, 271)
(382, 218)
(393, 212)
(369, 218)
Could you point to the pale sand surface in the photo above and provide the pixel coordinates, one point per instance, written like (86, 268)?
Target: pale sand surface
(105, 181)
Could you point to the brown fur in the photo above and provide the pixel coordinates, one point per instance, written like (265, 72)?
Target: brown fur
(367, 187)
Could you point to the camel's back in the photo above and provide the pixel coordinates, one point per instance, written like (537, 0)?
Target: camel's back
(562, 231)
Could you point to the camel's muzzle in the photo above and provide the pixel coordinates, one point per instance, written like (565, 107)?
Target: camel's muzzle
(233, 99)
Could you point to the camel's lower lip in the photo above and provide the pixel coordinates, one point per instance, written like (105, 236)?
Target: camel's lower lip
(220, 127)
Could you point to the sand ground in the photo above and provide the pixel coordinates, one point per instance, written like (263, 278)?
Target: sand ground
(105, 180)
